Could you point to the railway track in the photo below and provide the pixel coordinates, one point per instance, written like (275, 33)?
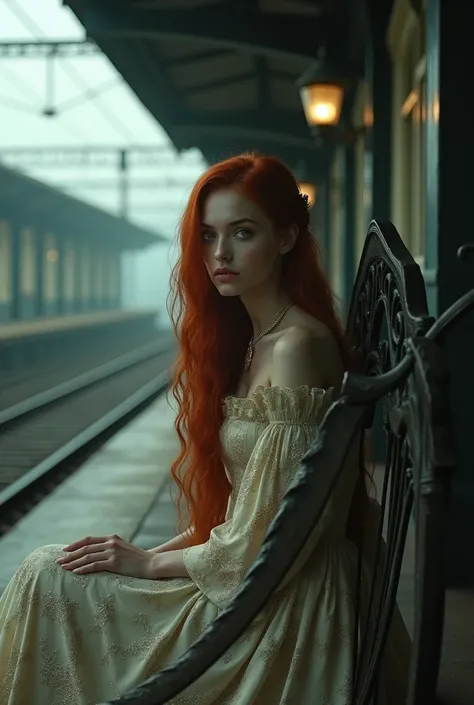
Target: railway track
(38, 378)
(43, 439)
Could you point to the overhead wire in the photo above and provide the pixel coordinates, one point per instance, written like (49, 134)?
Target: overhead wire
(16, 80)
(88, 95)
(14, 104)
(72, 72)
(34, 97)
(89, 92)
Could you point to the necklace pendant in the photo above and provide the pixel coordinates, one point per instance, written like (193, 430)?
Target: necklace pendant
(254, 341)
(248, 357)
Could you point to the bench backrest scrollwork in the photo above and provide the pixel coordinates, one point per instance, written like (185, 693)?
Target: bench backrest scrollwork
(388, 320)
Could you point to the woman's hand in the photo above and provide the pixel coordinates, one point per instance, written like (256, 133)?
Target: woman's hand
(110, 553)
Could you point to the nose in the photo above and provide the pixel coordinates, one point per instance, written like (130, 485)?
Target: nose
(223, 251)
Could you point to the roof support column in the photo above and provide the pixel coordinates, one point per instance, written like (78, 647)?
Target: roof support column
(449, 159)
(15, 271)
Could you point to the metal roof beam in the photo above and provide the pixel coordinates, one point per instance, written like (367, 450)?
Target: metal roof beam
(263, 81)
(261, 74)
(215, 149)
(161, 181)
(189, 59)
(145, 75)
(217, 83)
(34, 202)
(94, 155)
(265, 126)
(42, 48)
(242, 30)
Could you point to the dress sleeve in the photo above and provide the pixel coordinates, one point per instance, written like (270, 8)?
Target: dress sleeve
(219, 566)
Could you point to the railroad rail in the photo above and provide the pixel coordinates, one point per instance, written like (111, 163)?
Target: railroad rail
(73, 358)
(44, 438)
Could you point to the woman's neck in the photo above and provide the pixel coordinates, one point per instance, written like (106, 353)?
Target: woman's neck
(263, 309)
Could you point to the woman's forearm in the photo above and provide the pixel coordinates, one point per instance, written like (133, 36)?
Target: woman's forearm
(176, 544)
(168, 565)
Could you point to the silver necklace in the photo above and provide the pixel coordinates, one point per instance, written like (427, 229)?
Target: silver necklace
(254, 341)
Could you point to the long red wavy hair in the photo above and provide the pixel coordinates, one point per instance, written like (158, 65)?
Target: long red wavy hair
(213, 331)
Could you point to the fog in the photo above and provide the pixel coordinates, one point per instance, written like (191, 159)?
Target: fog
(92, 106)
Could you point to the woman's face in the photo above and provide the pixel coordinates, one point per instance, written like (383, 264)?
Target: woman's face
(238, 237)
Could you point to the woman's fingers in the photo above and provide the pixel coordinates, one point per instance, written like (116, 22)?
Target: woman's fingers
(87, 541)
(89, 559)
(96, 567)
(80, 552)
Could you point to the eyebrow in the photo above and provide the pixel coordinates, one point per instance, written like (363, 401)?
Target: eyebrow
(234, 222)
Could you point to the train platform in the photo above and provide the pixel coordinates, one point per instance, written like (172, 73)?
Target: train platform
(36, 327)
(123, 489)
(39, 354)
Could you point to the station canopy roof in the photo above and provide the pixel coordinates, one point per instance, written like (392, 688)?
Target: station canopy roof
(220, 75)
(42, 204)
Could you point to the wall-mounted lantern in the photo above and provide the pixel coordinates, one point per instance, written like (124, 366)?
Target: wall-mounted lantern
(308, 189)
(321, 90)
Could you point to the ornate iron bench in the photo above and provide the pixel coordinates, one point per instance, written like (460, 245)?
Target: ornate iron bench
(404, 380)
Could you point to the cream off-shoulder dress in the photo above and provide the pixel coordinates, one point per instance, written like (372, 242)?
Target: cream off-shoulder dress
(68, 639)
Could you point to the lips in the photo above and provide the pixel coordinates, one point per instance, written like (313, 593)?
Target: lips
(223, 271)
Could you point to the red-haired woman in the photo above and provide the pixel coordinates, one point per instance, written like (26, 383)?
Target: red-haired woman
(261, 352)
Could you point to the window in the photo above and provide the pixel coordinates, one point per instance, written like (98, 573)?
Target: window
(51, 258)
(407, 47)
(335, 236)
(114, 276)
(5, 262)
(362, 117)
(99, 275)
(85, 279)
(69, 271)
(28, 258)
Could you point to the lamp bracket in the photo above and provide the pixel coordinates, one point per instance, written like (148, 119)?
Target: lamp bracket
(338, 134)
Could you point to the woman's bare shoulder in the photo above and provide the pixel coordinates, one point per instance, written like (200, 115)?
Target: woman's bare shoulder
(306, 353)
(302, 320)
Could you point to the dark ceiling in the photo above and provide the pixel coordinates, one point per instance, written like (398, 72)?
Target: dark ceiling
(220, 74)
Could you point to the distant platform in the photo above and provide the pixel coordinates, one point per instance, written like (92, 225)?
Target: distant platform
(16, 330)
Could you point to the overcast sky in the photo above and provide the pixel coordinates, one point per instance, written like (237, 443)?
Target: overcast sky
(115, 117)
